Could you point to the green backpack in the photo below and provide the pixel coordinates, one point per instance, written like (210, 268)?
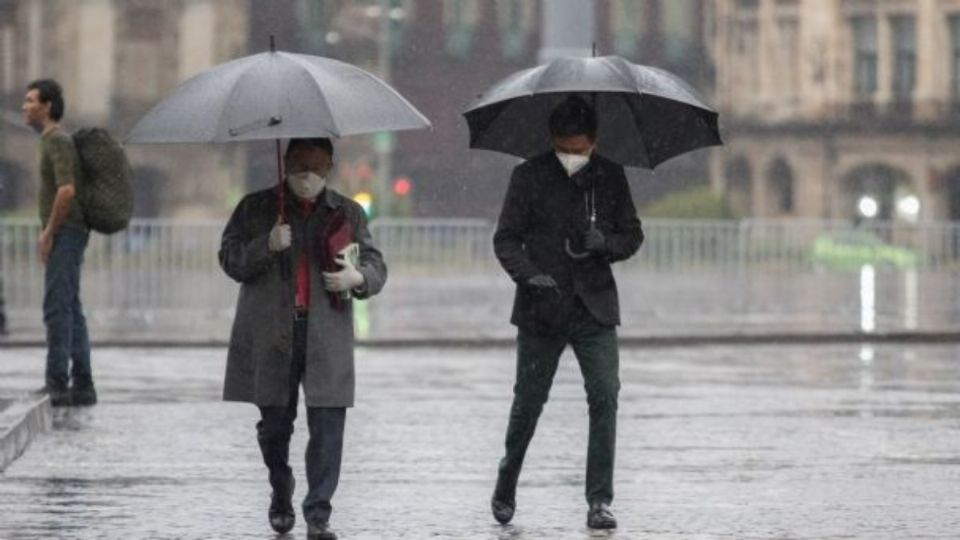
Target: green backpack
(105, 189)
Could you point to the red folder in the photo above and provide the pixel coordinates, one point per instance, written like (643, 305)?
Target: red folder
(335, 235)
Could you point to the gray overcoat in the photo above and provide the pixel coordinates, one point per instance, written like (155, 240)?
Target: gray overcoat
(259, 357)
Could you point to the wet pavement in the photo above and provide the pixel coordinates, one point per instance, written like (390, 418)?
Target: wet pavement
(475, 305)
(817, 442)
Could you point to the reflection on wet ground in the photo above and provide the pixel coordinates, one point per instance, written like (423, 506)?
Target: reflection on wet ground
(714, 442)
(476, 303)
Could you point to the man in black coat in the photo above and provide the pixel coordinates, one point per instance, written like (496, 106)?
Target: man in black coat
(567, 215)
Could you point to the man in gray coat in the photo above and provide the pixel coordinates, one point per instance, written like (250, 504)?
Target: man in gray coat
(294, 323)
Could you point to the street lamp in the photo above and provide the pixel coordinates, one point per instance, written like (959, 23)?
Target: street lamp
(868, 207)
(384, 142)
(373, 23)
(908, 208)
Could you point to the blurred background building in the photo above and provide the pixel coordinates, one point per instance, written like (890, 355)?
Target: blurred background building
(842, 116)
(116, 58)
(441, 53)
(842, 109)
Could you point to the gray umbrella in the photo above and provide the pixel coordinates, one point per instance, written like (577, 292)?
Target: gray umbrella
(276, 95)
(645, 115)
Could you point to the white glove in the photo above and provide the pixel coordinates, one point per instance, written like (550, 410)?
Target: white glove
(344, 280)
(279, 237)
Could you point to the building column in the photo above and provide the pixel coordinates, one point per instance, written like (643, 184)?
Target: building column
(569, 29)
(197, 23)
(885, 59)
(932, 62)
(96, 42)
(767, 56)
(34, 39)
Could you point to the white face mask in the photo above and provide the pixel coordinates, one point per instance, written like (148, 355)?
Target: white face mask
(572, 162)
(306, 185)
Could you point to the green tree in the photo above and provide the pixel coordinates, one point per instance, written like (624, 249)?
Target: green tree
(695, 203)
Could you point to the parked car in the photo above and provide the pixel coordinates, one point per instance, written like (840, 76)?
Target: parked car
(850, 250)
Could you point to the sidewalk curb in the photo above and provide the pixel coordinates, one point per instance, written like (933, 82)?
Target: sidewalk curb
(20, 423)
(654, 341)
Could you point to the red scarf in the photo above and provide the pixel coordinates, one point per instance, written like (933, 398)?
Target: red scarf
(303, 267)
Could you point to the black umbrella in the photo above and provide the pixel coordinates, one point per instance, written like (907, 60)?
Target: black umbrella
(645, 115)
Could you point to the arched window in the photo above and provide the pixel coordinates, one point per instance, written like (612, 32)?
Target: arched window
(678, 28)
(148, 186)
(460, 18)
(626, 20)
(877, 191)
(780, 186)
(739, 186)
(13, 182)
(952, 179)
(515, 19)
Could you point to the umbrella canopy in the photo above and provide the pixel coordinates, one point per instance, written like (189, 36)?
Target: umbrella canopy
(276, 95)
(645, 115)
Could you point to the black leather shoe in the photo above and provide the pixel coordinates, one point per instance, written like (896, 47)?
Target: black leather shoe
(320, 532)
(59, 395)
(600, 517)
(83, 396)
(281, 514)
(502, 510)
(504, 501)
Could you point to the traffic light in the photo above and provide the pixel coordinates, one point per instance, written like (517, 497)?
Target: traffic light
(365, 200)
(402, 186)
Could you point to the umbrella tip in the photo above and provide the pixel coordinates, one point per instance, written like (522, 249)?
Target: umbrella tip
(273, 44)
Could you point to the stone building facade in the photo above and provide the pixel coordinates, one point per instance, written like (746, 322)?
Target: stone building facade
(115, 59)
(838, 109)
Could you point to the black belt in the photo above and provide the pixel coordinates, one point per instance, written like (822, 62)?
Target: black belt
(300, 314)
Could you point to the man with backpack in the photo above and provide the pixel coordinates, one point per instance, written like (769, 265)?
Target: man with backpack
(62, 242)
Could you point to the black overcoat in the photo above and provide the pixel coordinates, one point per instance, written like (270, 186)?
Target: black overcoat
(543, 209)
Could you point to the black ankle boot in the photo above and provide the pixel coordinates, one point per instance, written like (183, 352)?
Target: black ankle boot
(600, 517)
(281, 514)
(59, 394)
(275, 455)
(504, 500)
(83, 393)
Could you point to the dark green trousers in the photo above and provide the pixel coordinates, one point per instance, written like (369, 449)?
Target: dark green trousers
(538, 356)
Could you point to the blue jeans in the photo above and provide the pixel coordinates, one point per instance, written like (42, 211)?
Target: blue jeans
(3, 310)
(67, 337)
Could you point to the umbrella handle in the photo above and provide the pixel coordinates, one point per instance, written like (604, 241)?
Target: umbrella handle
(573, 254)
(285, 271)
(590, 200)
(281, 195)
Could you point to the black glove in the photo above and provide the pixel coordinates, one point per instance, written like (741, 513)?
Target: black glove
(542, 281)
(594, 241)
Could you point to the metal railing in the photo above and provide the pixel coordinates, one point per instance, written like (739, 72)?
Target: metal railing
(161, 269)
(692, 245)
